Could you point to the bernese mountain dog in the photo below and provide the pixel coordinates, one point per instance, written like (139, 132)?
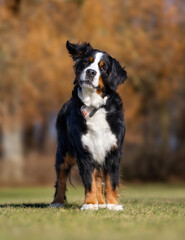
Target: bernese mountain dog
(91, 129)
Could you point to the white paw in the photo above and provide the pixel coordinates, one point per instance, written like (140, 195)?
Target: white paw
(89, 207)
(102, 205)
(115, 207)
(56, 205)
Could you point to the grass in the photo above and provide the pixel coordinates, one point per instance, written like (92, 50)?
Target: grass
(151, 212)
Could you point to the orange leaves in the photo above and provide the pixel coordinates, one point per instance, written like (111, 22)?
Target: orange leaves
(146, 36)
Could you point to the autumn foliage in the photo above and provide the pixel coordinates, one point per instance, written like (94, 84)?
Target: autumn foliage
(147, 37)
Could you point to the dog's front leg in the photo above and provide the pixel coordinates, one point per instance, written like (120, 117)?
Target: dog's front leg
(89, 181)
(91, 201)
(112, 181)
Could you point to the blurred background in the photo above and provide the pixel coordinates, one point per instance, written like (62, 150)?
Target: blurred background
(36, 78)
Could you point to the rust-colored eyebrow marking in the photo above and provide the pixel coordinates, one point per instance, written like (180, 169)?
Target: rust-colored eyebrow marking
(101, 63)
(91, 59)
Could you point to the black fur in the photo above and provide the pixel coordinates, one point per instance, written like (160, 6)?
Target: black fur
(117, 76)
(71, 125)
(78, 50)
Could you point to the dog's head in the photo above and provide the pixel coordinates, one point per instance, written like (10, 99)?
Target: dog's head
(95, 69)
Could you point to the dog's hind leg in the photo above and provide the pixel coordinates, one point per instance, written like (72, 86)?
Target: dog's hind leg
(62, 170)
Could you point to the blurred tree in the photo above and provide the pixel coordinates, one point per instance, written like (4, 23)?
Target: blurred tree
(31, 71)
(13, 5)
(10, 109)
(146, 36)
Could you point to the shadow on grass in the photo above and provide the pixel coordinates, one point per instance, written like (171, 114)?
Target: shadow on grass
(37, 205)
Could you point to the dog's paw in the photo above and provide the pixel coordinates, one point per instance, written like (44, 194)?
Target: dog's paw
(115, 207)
(56, 205)
(102, 206)
(89, 207)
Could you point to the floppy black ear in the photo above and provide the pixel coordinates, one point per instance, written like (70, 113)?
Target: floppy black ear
(117, 76)
(78, 50)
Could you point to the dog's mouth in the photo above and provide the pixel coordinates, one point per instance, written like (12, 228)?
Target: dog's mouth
(87, 84)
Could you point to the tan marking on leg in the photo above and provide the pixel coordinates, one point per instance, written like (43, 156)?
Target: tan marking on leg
(61, 188)
(99, 191)
(110, 194)
(70, 161)
(90, 196)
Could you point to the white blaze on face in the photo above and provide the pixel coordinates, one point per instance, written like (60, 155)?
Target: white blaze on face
(94, 66)
(87, 93)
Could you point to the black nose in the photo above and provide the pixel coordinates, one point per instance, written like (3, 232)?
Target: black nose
(90, 72)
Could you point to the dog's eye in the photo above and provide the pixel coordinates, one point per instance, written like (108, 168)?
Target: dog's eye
(86, 62)
(102, 67)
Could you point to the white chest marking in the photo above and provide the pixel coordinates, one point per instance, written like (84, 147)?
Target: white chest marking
(99, 138)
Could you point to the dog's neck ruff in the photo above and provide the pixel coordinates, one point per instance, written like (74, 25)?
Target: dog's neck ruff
(90, 97)
(92, 101)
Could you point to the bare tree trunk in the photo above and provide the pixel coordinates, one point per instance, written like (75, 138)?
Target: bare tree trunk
(12, 166)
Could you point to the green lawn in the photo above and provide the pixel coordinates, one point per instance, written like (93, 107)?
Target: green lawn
(151, 212)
